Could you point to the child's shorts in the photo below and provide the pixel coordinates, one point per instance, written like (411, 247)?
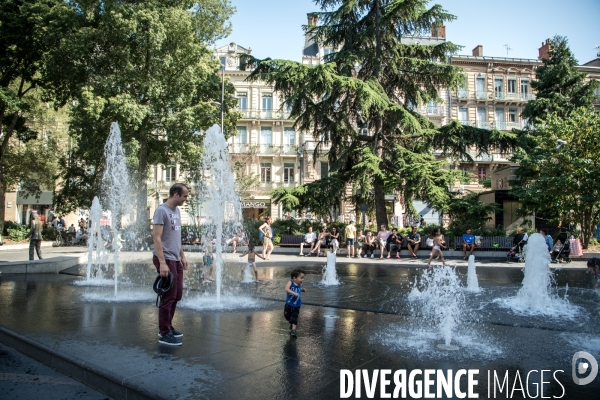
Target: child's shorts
(291, 314)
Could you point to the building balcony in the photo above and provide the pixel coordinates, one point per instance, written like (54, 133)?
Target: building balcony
(463, 94)
(520, 97)
(266, 115)
(527, 96)
(266, 149)
(430, 111)
(500, 125)
(310, 145)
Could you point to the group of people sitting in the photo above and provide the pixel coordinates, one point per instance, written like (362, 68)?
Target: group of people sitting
(359, 244)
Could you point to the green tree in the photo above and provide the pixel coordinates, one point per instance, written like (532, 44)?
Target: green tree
(468, 212)
(362, 99)
(321, 197)
(146, 65)
(562, 181)
(560, 88)
(29, 30)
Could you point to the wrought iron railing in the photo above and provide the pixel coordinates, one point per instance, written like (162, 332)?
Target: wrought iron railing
(248, 113)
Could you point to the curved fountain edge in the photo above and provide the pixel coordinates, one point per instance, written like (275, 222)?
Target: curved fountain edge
(97, 378)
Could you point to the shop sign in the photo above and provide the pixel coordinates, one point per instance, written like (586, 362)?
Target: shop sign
(256, 204)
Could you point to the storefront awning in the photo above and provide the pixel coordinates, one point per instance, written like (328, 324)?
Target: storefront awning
(44, 199)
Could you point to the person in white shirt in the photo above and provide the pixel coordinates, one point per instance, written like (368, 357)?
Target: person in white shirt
(310, 238)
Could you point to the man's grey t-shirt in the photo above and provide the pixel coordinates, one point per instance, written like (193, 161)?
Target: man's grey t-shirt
(171, 236)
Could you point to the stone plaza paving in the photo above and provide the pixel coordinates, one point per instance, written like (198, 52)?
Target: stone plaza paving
(242, 348)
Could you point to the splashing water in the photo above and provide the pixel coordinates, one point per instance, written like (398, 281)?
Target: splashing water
(472, 283)
(440, 300)
(247, 278)
(97, 254)
(116, 190)
(330, 277)
(536, 296)
(221, 197)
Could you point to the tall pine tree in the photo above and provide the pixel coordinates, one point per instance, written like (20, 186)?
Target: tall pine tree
(560, 87)
(372, 81)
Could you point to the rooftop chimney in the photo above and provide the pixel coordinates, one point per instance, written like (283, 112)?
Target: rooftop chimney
(478, 51)
(543, 51)
(438, 31)
(313, 19)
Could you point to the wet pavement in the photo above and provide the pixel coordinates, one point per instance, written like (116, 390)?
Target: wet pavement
(242, 348)
(24, 378)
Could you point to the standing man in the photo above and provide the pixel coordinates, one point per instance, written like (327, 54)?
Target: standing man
(350, 234)
(35, 237)
(468, 243)
(548, 239)
(168, 256)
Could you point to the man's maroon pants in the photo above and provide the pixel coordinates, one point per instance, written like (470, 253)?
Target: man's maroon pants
(168, 302)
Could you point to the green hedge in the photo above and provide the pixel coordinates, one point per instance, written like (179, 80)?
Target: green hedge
(10, 225)
(18, 233)
(49, 233)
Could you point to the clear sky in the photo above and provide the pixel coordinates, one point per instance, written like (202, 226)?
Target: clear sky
(273, 28)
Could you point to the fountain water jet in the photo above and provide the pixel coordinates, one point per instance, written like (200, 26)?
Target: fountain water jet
(97, 255)
(441, 302)
(535, 296)
(330, 277)
(472, 284)
(221, 198)
(116, 188)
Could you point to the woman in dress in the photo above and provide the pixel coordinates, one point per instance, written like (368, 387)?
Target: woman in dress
(334, 237)
(323, 241)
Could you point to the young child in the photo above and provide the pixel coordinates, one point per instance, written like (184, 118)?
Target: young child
(251, 261)
(207, 260)
(438, 244)
(293, 301)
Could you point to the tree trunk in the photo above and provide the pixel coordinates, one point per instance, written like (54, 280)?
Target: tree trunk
(2, 208)
(142, 200)
(380, 210)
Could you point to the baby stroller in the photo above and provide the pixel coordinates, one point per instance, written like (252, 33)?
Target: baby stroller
(565, 252)
(516, 253)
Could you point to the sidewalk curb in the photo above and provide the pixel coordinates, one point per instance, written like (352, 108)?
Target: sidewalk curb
(89, 374)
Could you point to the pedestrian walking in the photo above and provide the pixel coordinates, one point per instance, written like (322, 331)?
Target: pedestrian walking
(293, 300)
(251, 252)
(267, 238)
(35, 237)
(169, 257)
(438, 244)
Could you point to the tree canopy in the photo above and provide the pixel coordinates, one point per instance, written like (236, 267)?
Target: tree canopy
(562, 181)
(560, 87)
(29, 30)
(361, 100)
(146, 65)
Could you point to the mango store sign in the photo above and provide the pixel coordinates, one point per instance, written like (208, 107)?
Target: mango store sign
(256, 204)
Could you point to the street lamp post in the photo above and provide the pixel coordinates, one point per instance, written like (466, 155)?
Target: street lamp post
(301, 158)
(363, 208)
(221, 105)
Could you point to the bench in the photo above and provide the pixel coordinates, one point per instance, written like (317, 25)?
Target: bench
(487, 243)
(291, 240)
